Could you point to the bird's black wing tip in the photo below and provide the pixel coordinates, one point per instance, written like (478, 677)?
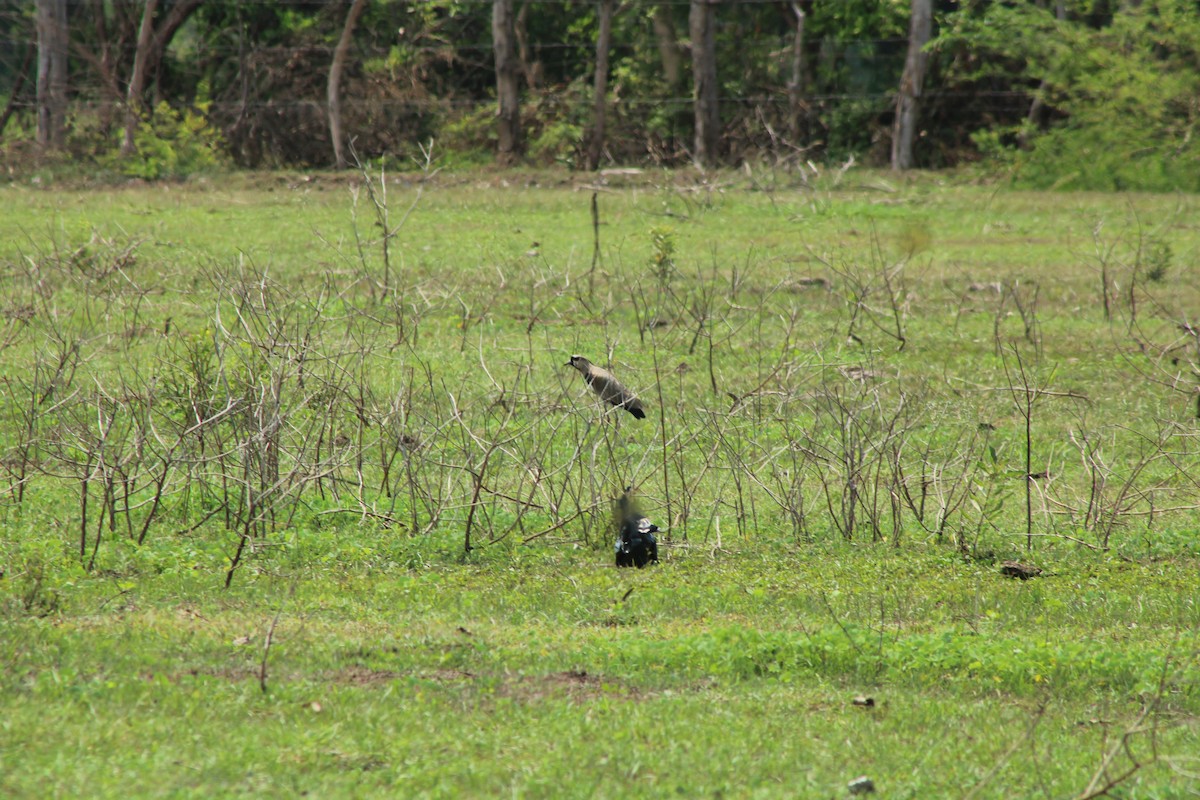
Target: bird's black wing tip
(637, 412)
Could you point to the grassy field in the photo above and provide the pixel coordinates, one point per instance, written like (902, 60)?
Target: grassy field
(297, 496)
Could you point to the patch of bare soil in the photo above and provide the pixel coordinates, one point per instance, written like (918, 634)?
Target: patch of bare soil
(577, 685)
(358, 675)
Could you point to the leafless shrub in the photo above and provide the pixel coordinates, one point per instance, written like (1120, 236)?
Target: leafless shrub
(857, 430)
(945, 477)
(1119, 489)
(1024, 297)
(865, 285)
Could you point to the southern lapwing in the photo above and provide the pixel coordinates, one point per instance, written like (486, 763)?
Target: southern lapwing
(636, 545)
(608, 387)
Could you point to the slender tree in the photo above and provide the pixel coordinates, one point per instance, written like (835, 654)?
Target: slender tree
(668, 46)
(52, 37)
(508, 113)
(152, 42)
(1032, 119)
(334, 88)
(137, 79)
(600, 84)
(796, 84)
(702, 25)
(14, 96)
(908, 99)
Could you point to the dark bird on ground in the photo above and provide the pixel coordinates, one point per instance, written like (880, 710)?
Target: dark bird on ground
(636, 545)
(1015, 569)
(609, 388)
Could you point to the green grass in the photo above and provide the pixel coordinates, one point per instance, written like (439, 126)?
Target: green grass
(400, 665)
(730, 675)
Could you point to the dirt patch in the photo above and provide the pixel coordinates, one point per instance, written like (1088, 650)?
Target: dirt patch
(231, 674)
(358, 675)
(577, 685)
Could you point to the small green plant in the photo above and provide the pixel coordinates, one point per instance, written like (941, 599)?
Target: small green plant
(557, 143)
(1158, 261)
(170, 144)
(468, 139)
(662, 239)
(34, 573)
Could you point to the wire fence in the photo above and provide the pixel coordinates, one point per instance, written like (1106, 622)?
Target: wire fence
(277, 94)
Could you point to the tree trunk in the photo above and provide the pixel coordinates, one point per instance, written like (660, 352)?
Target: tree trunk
(908, 100)
(668, 47)
(796, 86)
(334, 89)
(1033, 118)
(532, 70)
(102, 61)
(702, 25)
(508, 112)
(14, 96)
(137, 79)
(172, 21)
(52, 73)
(600, 84)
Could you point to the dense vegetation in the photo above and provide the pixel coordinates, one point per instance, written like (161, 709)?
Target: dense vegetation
(299, 496)
(1070, 93)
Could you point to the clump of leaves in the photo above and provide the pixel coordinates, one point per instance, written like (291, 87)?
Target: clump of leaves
(662, 239)
(170, 144)
(1119, 97)
(1158, 261)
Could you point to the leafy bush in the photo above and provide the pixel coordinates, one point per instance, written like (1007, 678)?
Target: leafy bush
(469, 139)
(1107, 155)
(170, 144)
(1119, 98)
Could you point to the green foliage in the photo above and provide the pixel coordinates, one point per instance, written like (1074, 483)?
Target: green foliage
(1109, 153)
(1122, 94)
(557, 143)
(468, 139)
(170, 144)
(663, 243)
(35, 572)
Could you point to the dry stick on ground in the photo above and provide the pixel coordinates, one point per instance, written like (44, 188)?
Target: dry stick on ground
(1027, 308)
(863, 430)
(1103, 256)
(536, 310)
(273, 462)
(662, 430)
(947, 499)
(838, 621)
(888, 274)
(262, 666)
(501, 439)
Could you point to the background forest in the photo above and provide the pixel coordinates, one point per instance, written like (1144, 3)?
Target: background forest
(1037, 87)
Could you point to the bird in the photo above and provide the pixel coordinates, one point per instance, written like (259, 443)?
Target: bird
(636, 545)
(607, 387)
